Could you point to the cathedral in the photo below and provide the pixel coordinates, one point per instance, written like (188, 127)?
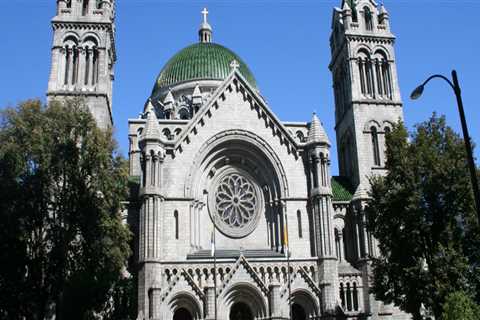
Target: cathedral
(235, 212)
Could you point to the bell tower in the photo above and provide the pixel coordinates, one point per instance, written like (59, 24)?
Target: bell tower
(365, 82)
(83, 55)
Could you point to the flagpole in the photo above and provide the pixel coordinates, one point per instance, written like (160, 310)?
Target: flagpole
(215, 266)
(288, 264)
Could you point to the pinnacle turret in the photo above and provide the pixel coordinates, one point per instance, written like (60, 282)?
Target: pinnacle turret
(316, 132)
(152, 129)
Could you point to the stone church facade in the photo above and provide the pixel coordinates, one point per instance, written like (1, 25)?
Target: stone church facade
(212, 163)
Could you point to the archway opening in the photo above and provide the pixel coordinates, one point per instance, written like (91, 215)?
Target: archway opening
(298, 313)
(240, 311)
(182, 314)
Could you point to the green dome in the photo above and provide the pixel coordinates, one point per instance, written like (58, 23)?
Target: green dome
(201, 61)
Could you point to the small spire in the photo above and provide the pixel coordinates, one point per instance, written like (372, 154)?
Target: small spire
(205, 32)
(169, 100)
(152, 129)
(197, 95)
(316, 133)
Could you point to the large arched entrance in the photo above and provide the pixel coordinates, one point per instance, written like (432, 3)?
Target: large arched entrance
(298, 313)
(240, 311)
(182, 314)
(304, 305)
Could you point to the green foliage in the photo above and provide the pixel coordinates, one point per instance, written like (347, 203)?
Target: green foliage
(459, 306)
(422, 213)
(62, 242)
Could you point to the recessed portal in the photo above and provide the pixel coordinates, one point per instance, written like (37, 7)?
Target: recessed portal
(240, 311)
(182, 314)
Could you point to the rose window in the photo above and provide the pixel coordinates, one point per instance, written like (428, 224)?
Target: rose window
(236, 205)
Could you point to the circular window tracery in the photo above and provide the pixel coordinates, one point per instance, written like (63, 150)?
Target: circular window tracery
(235, 204)
(236, 201)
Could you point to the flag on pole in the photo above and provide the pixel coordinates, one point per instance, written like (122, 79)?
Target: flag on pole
(212, 241)
(285, 239)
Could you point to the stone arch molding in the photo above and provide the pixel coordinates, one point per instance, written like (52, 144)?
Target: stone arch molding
(186, 301)
(307, 301)
(216, 149)
(246, 293)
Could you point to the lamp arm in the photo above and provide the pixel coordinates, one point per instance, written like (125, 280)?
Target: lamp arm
(441, 77)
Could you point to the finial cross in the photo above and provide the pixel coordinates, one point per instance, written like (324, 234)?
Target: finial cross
(205, 14)
(234, 64)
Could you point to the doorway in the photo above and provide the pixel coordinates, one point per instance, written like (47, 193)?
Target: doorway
(298, 313)
(240, 311)
(182, 314)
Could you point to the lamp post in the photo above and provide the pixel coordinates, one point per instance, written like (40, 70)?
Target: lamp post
(466, 137)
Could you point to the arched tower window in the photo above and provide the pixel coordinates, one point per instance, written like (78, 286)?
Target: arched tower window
(175, 216)
(90, 46)
(68, 57)
(299, 222)
(382, 70)
(368, 18)
(366, 74)
(71, 61)
(376, 149)
(349, 297)
(355, 296)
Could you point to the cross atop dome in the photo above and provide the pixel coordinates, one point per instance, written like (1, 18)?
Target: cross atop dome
(205, 32)
(205, 14)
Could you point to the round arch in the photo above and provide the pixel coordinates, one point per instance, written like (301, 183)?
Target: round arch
(185, 301)
(91, 37)
(243, 293)
(245, 144)
(305, 300)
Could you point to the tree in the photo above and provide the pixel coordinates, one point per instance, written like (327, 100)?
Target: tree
(62, 243)
(422, 214)
(459, 306)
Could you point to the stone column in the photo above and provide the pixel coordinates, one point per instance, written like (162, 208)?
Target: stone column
(156, 298)
(276, 304)
(91, 72)
(81, 68)
(373, 64)
(210, 301)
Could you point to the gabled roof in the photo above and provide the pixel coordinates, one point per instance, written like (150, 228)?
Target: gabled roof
(236, 80)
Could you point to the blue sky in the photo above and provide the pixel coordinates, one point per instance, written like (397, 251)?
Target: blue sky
(285, 44)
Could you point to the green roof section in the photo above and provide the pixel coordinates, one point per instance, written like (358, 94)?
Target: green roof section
(341, 188)
(201, 61)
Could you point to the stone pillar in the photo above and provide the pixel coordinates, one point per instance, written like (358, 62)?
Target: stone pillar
(155, 295)
(81, 69)
(276, 303)
(210, 301)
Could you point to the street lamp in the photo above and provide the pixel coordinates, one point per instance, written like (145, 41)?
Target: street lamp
(466, 137)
